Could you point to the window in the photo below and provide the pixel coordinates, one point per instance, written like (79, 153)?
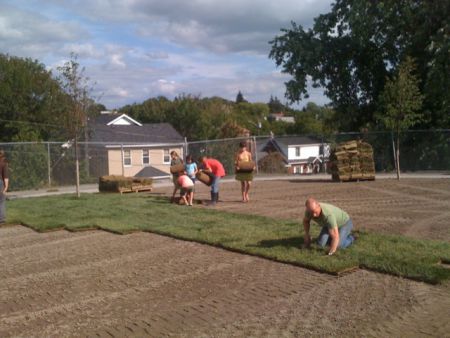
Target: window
(297, 151)
(127, 157)
(145, 157)
(166, 156)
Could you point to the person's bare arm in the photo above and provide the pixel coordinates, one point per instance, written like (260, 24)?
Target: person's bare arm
(236, 162)
(334, 234)
(306, 226)
(6, 183)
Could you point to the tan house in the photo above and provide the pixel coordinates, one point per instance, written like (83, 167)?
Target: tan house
(130, 148)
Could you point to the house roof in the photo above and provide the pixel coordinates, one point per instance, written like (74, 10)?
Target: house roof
(282, 143)
(152, 172)
(104, 119)
(124, 119)
(297, 140)
(103, 130)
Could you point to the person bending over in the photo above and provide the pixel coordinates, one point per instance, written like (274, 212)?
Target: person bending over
(335, 222)
(215, 169)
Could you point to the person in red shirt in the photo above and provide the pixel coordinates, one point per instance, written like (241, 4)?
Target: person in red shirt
(215, 169)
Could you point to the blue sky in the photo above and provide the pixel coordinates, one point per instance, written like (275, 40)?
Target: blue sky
(133, 50)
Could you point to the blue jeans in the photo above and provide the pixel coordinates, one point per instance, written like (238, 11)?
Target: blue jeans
(215, 184)
(345, 238)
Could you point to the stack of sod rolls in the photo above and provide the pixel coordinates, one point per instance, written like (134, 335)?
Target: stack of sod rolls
(116, 183)
(352, 161)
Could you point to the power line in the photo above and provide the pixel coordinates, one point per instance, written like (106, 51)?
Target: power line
(28, 122)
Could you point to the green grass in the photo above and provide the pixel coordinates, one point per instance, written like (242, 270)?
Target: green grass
(262, 236)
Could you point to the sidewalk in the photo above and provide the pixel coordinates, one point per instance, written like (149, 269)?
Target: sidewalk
(93, 188)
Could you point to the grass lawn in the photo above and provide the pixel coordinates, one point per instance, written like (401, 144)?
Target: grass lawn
(262, 236)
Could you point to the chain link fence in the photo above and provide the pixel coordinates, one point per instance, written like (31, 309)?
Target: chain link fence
(52, 164)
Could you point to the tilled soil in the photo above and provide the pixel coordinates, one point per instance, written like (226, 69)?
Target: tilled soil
(417, 208)
(98, 284)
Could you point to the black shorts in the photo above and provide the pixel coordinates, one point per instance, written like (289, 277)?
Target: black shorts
(185, 191)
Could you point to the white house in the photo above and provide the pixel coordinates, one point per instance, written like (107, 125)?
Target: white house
(301, 154)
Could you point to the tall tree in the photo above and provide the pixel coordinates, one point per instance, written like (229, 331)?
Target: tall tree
(313, 119)
(29, 99)
(76, 86)
(401, 101)
(275, 105)
(240, 98)
(352, 49)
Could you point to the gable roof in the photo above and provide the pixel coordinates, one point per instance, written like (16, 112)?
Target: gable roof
(103, 130)
(152, 172)
(297, 140)
(124, 120)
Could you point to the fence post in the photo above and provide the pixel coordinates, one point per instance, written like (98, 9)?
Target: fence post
(49, 168)
(186, 147)
(393, 150)
(256, 154)
(323, 156)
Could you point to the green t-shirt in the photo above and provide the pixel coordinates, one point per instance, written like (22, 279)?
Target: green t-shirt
(330, 216)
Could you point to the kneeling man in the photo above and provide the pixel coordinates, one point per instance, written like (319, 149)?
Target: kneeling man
(336, 225)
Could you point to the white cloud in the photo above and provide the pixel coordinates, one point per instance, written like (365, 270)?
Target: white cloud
(168, 88)
(116, 60)
(136, 49)
(24, 32)
(216, 25)
(119, 91)
(83, 50)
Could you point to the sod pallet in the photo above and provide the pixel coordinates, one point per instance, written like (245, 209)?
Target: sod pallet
(122, 184)
(352, 161)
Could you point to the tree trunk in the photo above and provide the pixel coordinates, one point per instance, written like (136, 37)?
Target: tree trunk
(397, 154)
(77, 167)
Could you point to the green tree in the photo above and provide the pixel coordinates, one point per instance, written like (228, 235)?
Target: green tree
(28, 161)
(240, 98)
(401, 101)
(312, 119)
(275, 105)
(29, 98)
(352, 49)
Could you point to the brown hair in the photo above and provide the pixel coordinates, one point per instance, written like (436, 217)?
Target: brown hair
(173, 152)
(243, 144)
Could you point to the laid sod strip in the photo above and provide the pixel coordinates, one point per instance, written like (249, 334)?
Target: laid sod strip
(275, 239)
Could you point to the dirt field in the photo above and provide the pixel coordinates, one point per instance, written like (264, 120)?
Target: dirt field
(99, 284)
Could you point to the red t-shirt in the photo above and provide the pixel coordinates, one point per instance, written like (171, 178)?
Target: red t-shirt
(215, 166)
